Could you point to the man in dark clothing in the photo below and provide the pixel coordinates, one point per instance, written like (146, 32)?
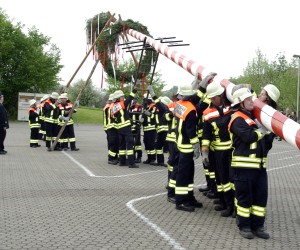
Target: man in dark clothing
(3, 125)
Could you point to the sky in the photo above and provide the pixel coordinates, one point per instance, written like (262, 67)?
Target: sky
(223, 36)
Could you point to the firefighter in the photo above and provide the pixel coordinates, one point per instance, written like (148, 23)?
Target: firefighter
(119, 111)
(42, 131)
(68, 135)
(34, 125)
(216, 135)
(249, 167)
(51, 113)
(4, 125)
(189, 147)
(161, 127)
(149, 128)
(201, 103)
(135, 113)
(111, 132)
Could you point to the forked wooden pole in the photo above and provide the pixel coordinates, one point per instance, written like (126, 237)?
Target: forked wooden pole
(93, 45)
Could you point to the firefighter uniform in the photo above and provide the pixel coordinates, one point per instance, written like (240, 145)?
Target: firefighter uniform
(161, 131)
(119, 111)
(135, 113)
(34, 125)
(42, 131)
(215, 134)
(249, 166)
(111, 131)
(149, 129)
(186, 137)
(68, 135)
(51, 113)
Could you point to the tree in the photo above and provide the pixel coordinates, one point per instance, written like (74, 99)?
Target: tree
(259, 72)
(90, 96)
(28, 62)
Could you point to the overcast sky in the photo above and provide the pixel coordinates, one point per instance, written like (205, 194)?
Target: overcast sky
(223, 35)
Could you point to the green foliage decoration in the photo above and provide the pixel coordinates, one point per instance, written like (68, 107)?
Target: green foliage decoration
(109, 39)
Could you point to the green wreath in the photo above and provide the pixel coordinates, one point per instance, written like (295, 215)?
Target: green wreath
(107, 42)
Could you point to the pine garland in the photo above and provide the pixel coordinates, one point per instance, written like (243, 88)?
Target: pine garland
(108, 40)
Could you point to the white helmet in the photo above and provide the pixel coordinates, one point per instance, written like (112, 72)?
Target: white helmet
(186, 90)
(63, 96)
(214, 89)
(45, 97)
(31, 102)
(118, 93)
(54, 95)
(273, 92)
(240, 95)
(110, 97)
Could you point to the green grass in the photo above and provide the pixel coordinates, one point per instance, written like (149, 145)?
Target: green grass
(88, 115)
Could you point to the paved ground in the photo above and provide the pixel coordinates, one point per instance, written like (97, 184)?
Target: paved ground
(75, 200)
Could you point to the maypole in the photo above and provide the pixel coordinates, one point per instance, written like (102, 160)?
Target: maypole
(272, 119)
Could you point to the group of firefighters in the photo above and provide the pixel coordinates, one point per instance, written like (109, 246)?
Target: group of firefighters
(46, 120)
(199, 121)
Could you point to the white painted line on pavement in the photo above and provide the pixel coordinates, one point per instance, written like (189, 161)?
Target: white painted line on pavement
(126, 175)
(89, 173)
(162, 233)
(271, 169)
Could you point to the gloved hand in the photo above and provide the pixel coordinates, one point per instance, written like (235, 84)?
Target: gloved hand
(58, 101)
(208, 79)
(205, 160)
(151, 91)
(195, 83)
(262, 131)
(141, 120)
(37, 110)
(147, 112)
(196, 148)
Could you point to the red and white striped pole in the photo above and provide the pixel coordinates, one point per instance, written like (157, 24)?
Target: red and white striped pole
(272, 119)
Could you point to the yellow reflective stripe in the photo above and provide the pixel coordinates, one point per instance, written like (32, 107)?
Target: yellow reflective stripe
(212, 175)
(130, 152)
(172, 183)
(205, 143)
(122, 152)
(246, 159)
(194, 140)
(191, 187)
(219, 188)
(259, 134)
(149, 127)
(243, 212)
(159, 151)
(170, 168)
(181, 190)
(253, 145)
(226, 187)
(232, 186)
(245, 165)
(222, 147)
(206, 172)
(152, 152)
(258, 211)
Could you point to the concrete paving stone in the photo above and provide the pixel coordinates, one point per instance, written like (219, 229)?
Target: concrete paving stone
(50, 201)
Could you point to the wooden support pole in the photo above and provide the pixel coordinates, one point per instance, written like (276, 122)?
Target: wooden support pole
(72, 110)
